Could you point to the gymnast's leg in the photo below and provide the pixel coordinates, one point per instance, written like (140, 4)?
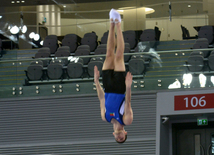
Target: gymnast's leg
(109, 61)
(119, 57)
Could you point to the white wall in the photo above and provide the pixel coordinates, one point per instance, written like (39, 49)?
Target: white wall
(169, 30)
(172, 30)
(82, 26)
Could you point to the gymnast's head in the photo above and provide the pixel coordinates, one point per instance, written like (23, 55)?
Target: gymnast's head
(120, 136)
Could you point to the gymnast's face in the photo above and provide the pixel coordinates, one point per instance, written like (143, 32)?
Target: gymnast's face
(120, 135)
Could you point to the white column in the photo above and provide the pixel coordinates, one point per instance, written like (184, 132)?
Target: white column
(134, 19)
(53, 18)
(208, 6)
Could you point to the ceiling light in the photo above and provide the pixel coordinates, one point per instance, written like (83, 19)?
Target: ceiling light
(12, 1)
(120, 11)
(175, 85)
(24, 29)
(36, 37)
(126, 8)
(212, 79)
(189, 6)
(202, 80)
(31, 35)
(187, 79)
(41, 43)
(23, 1)
(0, 17)
(14, 30)
(17, 1)
(149, 10)
(64, 6)
(9, 27)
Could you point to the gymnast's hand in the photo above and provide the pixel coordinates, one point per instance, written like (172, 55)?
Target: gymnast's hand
(96, 74)
(128, 80)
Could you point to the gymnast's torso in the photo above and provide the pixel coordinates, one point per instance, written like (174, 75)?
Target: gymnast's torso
(114, 107)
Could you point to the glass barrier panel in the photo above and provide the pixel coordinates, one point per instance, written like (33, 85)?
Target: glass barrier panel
(151, 69)
(156, 65)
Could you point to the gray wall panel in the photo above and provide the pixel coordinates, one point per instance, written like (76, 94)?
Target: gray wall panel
(72, 125)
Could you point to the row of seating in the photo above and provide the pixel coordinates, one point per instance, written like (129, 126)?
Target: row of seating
(0, 48)
(82, 50)
(186, 34)
(73, 41)
(91, 39)
(202, 43)
(76, 69)
(132, 37)
(135, 64)
(204, 32)
(198, 63)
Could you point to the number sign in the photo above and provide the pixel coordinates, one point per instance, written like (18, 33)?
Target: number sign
(190, 102)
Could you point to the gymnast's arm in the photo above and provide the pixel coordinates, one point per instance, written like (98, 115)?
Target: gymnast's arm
(128, 113)
(101, 97)
(100, 93)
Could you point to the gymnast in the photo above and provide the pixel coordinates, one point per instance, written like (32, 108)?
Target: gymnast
(115, 98)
